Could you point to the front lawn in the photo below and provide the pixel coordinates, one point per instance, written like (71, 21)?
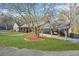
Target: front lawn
(16, 39)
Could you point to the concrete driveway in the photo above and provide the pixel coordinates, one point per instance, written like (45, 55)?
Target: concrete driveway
(74, 40)
(11, 51)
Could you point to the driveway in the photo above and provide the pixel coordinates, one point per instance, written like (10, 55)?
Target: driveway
(11, 51)
(74, 40)
(2, 30)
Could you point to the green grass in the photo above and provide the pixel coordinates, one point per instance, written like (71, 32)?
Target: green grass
(49, 44)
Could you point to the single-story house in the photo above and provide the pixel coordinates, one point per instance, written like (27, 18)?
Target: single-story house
(56, 27)
(22, 28)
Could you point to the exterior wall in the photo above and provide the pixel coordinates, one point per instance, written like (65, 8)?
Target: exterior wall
(16, 27)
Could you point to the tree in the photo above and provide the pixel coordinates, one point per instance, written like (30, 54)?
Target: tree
(64, 18)
(74, 16)
(48, 15)
(30, 11)
(6, 20)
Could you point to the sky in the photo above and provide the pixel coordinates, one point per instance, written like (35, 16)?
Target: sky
(58, 7)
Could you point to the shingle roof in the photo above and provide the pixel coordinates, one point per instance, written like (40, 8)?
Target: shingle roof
(25, 25)
(57, 25)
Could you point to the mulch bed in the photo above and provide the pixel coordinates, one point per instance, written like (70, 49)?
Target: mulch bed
(34, 38)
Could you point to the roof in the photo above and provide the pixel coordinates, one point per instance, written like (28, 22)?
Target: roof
(57, 25)
(25, 25)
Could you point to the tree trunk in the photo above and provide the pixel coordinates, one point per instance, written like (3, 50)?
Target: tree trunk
(6, 27)
(41, 33)
(65, 34)
(51, 32)
(36, 31)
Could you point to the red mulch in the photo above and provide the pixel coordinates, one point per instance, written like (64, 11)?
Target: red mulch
(33, 38)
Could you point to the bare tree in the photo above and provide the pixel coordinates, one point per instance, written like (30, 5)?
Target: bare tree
(30, 11)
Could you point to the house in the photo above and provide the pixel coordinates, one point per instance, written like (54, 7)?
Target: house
(21, 28)
(24, 28)
(56, 27)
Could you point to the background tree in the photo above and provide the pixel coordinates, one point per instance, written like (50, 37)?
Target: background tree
(6, 20)
(73, 14)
